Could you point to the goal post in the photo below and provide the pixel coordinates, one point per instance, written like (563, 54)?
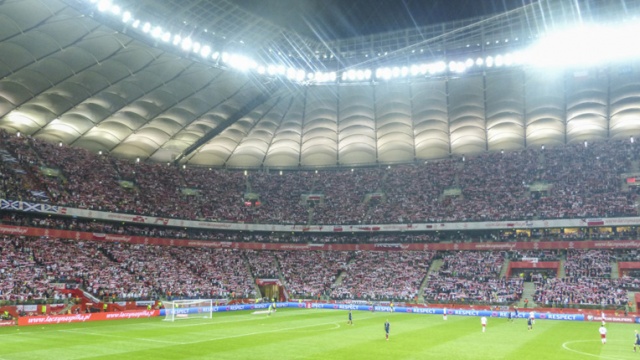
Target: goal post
(188, 309)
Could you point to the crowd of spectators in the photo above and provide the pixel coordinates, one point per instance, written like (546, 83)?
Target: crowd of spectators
(311, 273)
(33, 268)
(578, 181)
(581, 290)
(472, 276)
(588, 263)
(588, 281)
(384, 275)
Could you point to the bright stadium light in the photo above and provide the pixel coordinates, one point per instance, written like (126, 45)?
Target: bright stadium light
(104, 5)
(205, 51)
(166, 37)
(177, 39)
(126, 17)
(196, 47)
(300, 75)
(489, 61)
(479, 61)
(186, 44)
(586, 45)
(156, 32)
(146, 27)
(115, 10)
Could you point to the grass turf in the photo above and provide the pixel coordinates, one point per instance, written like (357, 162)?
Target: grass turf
(317, 334)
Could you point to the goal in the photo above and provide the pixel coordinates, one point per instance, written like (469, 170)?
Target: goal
(188, 309)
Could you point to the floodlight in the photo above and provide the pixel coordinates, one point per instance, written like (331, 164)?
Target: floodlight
(300, 75)
(196, 47)
(272, 70)
(291, 73)
(166, 37)
(489, 61)
(126, 17)
(156, 32)
(205, 51)
(177, 40)
(215, 55)
(453, 66)
(186, 44)
(479, 61)
(104, 5)
(367, 74)
(499, 60)
(261, 70)
(468, 63)
(135, 24)
(115, 10)
(146, 27)
(395, 72)
(508, 60)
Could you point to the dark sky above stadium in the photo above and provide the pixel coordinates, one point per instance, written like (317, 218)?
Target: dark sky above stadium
(337, 19)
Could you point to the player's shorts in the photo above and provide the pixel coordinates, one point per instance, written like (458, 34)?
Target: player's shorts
(603, 336)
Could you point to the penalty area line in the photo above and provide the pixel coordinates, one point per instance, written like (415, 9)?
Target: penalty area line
(122, 337)
(262, 332)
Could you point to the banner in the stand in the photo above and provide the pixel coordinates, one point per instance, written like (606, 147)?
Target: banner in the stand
(85, 236)
(74, 318)
(333, 228)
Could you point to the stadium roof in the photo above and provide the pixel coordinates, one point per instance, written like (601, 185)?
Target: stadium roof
(72, 75)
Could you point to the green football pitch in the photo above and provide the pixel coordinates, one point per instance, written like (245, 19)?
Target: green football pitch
(317, 334)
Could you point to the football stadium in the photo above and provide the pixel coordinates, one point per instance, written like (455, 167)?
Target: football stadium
(319, 179)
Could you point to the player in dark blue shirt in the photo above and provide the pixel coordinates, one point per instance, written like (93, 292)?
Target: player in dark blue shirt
(350, 322)
(530, 323)
(637, 343)
(387, 328)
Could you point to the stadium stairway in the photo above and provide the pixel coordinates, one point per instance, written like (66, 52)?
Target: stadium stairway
(434, 267)
(342, 274)
(505, 268)
(527, 293)
(561, 272)
(615, 274)
(632, 301)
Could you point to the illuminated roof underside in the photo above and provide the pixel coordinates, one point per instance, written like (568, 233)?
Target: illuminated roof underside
(66, 78)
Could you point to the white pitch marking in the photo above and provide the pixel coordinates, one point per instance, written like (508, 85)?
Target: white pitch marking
(564, 345)
(121, 337)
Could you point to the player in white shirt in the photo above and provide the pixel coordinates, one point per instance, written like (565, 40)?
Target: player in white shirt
(444, 314)
(483, 321)
(603, 334)
(603, 317)
(532, 316)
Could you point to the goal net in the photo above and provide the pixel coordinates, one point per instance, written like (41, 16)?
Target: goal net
(188, 309)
